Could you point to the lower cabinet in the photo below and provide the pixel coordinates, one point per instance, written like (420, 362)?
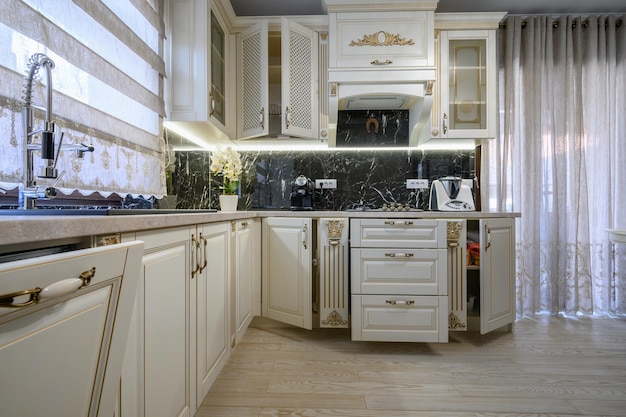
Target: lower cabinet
(246, 294)
(399, 280)
(63, 329)
(211, 293)
(196, 283)
(287, 270)
(156, 375)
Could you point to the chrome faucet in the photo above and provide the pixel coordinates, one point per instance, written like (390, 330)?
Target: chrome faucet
(29, 191)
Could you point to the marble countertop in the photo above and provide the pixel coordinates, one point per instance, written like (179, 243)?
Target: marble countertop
(25, 229)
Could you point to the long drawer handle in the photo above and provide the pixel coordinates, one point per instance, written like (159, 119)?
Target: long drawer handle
(399, 255)
(204, 254)
(398, 222)
(400, 302)
(385, 62)
(54, 290)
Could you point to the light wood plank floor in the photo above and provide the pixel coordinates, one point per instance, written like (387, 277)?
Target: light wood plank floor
(547, 367)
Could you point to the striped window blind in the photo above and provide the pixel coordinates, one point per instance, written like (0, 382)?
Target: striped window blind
(108, 90)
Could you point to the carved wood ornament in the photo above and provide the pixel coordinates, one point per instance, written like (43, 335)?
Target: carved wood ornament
(382, 38)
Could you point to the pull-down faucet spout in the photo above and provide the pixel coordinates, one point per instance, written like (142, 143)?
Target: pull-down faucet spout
(29, 191)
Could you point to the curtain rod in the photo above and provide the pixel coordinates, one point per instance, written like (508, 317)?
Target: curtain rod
(555, 24)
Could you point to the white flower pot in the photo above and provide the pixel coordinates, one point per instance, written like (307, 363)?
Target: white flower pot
(228, 202)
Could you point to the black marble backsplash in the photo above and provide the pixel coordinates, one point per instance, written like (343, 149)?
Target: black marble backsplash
(363, 176)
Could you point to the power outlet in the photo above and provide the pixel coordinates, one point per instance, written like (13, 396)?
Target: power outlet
(326, 184)
(415, 183)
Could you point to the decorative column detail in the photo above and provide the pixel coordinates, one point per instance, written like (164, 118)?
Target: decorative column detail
(457, 275)
(333, 287)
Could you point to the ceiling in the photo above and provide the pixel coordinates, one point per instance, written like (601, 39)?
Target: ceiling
(523, 7)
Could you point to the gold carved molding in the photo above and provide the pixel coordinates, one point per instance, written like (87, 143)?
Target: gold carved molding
(454, 322)
(335, 230)
(382, 38)
(454, 231)
(334, 319)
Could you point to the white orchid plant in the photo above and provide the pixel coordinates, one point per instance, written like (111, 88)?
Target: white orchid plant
(227, 164)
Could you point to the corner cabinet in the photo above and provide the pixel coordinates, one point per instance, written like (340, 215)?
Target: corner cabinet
(287, 258)
(278, 79)
(198, 48)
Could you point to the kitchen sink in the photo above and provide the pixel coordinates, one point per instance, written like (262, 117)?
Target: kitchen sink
(99, 212)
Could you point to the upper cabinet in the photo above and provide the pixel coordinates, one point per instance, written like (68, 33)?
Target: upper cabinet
(367, 40)
(381, 69)
(278, 77)
(466, 102)
(197, 85)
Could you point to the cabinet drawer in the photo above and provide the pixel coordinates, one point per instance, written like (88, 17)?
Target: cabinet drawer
(387, 40)
(399, 271)
(398, 233)
(393, 318)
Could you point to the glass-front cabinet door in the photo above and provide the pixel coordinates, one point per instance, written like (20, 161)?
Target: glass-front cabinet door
(218, 68)
(467, 85)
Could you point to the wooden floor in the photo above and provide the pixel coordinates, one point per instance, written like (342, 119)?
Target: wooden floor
(547, 367)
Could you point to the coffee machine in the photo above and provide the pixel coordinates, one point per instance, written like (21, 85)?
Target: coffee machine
(301, 194)
(451, 194)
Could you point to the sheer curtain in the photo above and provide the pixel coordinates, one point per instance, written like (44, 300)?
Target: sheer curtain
(560, 160)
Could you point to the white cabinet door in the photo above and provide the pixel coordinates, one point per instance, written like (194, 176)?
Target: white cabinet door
(156, 375)
(252, 93)
(61, 354)
(212, 344)
(299, 64)
(467, 91)
(287, 268)
(497, 273)
(196, 86)
(247, 275)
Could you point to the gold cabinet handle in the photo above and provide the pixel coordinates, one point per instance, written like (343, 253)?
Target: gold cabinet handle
(54, 290)
(197, 248)
(385, 62)
(262, 118)
(304, 236)
(204, 243)
(398, 222)
(400, 302)
(399, 255)
(212, 103)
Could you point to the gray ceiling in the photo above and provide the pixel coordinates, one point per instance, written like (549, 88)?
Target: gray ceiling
(315, 7)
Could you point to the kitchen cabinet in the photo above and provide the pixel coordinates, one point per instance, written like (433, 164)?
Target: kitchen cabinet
(483, 282)
(198, 51)
(399, 280)
(381, 40)
(278, 74)
(62, 343)
(287, 258)
(211, 274)
(157, 374)
(246, 299)
(465, 105)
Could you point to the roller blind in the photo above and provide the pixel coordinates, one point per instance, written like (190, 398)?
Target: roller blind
(108, 89)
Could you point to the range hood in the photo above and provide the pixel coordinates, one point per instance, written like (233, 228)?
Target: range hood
(414, 94)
